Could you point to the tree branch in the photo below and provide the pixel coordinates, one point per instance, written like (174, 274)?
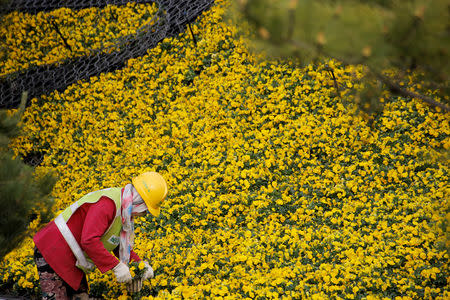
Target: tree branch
(60, 35)
(192, 34)
(393, 86)
(397, 89)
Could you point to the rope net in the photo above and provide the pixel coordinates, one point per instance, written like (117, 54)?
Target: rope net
(47, 45)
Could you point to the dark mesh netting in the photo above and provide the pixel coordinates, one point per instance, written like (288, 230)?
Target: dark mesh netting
(171, 18)
(30, 6)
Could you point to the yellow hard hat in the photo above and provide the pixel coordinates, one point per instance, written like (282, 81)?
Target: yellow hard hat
(152, 187)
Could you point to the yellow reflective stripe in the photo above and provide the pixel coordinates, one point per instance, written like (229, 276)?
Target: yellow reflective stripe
(114, 230)
(66, 214)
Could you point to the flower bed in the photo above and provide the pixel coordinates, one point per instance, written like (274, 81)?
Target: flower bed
(277, 187)
(48, 37)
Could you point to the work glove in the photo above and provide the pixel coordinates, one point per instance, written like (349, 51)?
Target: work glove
(122, 272)
(135, 286)
(149, 272)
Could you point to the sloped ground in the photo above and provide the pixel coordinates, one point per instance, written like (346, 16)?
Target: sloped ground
(277, 187)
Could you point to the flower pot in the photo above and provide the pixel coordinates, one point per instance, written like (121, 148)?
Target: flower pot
(134, 286)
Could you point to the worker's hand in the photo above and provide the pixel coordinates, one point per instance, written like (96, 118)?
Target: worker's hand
(122, 272)
(149, 272)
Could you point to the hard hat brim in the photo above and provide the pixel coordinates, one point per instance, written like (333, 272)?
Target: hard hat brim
(154, 212)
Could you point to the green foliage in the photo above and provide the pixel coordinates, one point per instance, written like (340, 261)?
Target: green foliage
(400, 36)
(24, 195)
(8, 125)
(419, 36)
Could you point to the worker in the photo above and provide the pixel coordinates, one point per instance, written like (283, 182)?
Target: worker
(86, 232)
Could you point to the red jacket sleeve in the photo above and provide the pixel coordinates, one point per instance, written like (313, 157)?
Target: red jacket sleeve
(134, 256)
(98, 219)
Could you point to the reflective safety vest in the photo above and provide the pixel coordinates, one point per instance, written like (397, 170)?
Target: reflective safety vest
(110, 238)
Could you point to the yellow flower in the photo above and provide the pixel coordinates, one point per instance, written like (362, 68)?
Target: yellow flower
(132, 272)
(277, 187)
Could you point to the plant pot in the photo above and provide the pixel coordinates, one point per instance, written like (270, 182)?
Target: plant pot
(134, 286)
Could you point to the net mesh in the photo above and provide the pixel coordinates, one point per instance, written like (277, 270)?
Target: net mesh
(32, 6)
(82, 59)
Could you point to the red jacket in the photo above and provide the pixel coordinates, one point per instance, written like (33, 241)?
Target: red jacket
(88, 224)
